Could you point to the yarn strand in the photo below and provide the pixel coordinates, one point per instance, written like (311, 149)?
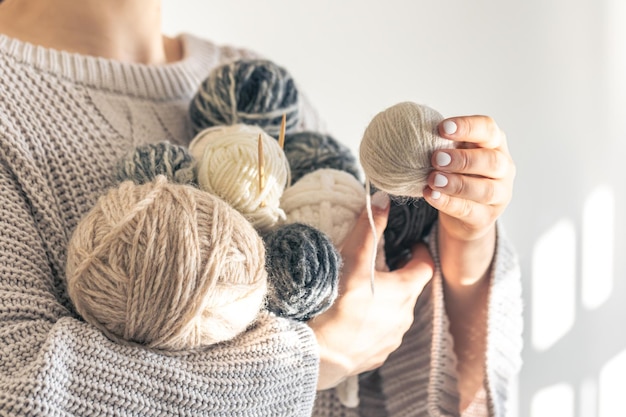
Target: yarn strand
(370, 218)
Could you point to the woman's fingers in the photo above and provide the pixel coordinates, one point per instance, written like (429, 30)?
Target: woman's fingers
(480, 190)
(471, 216)
(479, 130)
(484, 162)
(471, 184)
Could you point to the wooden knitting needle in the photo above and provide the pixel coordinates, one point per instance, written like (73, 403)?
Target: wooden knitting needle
(261, 169)
(281, 136)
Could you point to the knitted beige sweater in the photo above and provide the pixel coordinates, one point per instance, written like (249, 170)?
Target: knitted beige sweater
(65, 120)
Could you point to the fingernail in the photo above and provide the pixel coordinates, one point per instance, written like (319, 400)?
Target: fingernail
(435, 195)
(449, 127)
(380, 200)
(441, 180)
(443, 159)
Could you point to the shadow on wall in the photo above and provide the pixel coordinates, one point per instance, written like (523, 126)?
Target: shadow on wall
(574, 272)
(575, 360)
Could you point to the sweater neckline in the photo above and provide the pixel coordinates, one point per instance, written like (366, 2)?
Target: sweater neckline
(162, 82)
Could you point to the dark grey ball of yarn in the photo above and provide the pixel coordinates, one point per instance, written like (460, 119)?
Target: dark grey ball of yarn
(145, 162)
(309, 151)
(409, 222)
(250, 91)
(303, 271)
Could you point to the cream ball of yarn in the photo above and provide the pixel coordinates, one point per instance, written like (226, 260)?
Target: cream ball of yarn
(328, 199)
(228, 166)
(397, 146)
(166, 266)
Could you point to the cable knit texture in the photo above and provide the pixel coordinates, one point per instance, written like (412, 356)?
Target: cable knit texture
(65, 121)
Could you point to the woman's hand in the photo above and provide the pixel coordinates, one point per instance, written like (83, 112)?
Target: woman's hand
(472, 184)
(361, 329)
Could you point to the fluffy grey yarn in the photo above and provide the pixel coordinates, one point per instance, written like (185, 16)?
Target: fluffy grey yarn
(148, 161)
(303, 271)
(308, 151)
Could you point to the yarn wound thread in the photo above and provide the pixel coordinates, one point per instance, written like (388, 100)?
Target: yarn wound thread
(247, 91)
(308, 151)
(409, 222)
(331, 201)
(227, 166)
(303, 267)
(146, 162)
(166, 266)
(328, 199)
(397, 147)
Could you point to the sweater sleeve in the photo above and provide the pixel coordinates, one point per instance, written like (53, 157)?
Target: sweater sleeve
(52, 363)
(504, 327)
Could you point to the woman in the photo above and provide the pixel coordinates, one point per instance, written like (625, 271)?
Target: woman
(67, 117)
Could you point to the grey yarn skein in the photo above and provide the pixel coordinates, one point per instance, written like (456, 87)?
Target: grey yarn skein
(146, 162)
(410, 220)
(397, 147)
(308, 151)
(247, 91)
(303, 271)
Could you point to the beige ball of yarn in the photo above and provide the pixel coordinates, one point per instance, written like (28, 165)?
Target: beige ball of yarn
(167, 266)
(228, 166)
(397, 146)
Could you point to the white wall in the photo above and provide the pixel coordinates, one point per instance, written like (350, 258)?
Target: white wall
(553, 75)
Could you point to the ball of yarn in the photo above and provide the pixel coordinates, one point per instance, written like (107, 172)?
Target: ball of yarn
(308, 151)
(148, 161)
(409, 222)
(249, 91)
(167, 266)
(327, 199)
(303, 267)
(397, 146)
(228, 166)
(331, 201)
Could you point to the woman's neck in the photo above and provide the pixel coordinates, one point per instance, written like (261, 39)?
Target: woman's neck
(123, 30)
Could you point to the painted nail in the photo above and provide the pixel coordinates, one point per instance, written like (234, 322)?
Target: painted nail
(443, 159)
(449, 127)
(441, 180)
(435, 195)
(380, 200)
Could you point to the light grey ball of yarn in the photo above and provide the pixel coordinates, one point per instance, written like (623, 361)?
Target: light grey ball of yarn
(397, 147)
